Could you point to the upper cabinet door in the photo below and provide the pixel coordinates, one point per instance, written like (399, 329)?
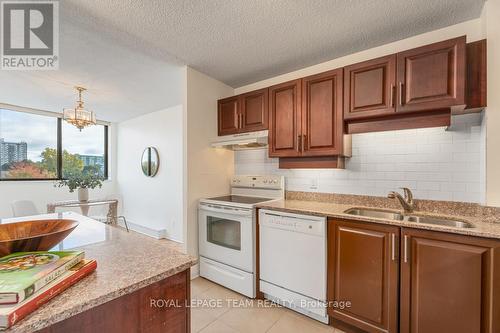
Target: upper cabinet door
(284, 122)
(228, 117)
(322, 119)
(370, 88)
(254, 110)
(432, 77)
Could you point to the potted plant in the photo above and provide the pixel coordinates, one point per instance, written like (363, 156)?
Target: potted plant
(81, 182)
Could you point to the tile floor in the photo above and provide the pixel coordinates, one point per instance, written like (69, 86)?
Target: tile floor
(241, 315)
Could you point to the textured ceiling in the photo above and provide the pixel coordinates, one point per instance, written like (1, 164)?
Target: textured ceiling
(243, 41)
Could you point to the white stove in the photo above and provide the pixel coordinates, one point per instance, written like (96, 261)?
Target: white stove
(227, 231)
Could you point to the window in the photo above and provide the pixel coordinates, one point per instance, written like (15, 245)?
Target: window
(34, 147)
(83, 151)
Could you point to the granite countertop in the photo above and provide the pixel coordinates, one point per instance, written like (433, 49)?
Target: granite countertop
(125, 262)
(336, 210)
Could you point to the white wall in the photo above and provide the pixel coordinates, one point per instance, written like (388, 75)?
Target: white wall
(491, 15)
(154, 203)
(435, 163)
(207, 170)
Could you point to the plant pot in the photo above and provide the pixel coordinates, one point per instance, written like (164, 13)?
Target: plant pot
(83, 194)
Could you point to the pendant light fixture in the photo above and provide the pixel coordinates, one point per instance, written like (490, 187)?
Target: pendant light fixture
(79, 116)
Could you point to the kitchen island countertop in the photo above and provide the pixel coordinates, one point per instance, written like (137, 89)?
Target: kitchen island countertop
(126, 262)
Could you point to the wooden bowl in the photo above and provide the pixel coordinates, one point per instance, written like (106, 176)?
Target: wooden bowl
(38, 235)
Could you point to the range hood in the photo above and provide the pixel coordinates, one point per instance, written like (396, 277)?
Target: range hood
(250, 140)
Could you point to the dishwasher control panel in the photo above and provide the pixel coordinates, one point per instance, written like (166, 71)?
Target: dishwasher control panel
(307, 224)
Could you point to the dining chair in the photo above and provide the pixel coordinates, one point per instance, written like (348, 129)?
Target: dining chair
(23, 208)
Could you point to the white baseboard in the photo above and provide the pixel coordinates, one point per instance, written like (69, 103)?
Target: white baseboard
(195, 271)
(155, 233)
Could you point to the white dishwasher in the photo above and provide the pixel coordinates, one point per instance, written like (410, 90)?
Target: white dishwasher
(293, 261)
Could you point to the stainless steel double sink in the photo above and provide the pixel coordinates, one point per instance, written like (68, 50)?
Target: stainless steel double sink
(390, 215)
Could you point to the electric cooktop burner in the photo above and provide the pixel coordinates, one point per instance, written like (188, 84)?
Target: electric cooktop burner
(240, 199)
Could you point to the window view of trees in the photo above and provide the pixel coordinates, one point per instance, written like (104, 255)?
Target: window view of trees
(82, 151)
(28, 148)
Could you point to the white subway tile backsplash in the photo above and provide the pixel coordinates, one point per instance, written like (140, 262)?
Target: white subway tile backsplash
(428, 186)
(437, 163)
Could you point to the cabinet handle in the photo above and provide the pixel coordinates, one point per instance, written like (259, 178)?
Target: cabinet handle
(240, 122)
(299, 140)
(303, 141)
(393, 92)
(393, 249)
(401, 93)
(406, 249)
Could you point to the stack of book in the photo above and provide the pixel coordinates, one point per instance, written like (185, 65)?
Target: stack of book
(30, 279)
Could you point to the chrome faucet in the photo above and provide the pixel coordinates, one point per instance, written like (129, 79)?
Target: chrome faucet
(406, 202)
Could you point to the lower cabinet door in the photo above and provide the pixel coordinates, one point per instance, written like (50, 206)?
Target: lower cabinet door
(363, 269)
(449, 283)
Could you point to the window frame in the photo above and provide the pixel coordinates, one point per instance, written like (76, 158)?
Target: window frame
(59, 148)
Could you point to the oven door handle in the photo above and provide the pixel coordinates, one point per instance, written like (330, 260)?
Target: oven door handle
(226, 210)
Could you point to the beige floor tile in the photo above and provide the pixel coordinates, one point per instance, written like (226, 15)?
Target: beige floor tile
(242, 315)
(200, 319)
(293, 322)
(252, 319)
(217, 300)
(218, 327)
(200, 285)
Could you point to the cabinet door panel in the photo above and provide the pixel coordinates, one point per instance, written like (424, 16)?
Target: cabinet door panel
(369, 88)
(362, 270)
(432, 77)
(322, 119)
(284, 129)
(447, 283)
(228, 116)
(254, 106)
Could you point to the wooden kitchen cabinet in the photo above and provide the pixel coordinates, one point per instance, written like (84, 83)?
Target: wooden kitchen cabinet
(322, 118)
(370, 88)
(449, 283)
(243, 113)
(228, 115)
(417, 88)
(363, 268)
(306, 116)
(411, 280)
(432, 77)
(285, 119)
(254, 110)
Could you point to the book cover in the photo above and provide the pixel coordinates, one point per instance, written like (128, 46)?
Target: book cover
(23, 273)
(11, 314)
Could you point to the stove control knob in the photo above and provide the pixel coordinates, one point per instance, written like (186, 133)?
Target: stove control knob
(265, 181)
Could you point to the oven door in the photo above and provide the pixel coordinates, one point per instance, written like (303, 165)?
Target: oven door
(227, 234)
